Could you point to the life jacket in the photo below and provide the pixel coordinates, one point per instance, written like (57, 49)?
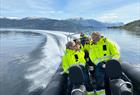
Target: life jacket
(103, 50)
(72, 57)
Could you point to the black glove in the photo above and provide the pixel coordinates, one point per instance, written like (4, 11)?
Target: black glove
(86, 54)
(101, 64)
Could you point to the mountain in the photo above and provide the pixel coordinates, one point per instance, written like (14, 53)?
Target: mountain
(53, 24)
(114, 24)
(132, 26)
(37, 23)
(87, 22)
(94, 23)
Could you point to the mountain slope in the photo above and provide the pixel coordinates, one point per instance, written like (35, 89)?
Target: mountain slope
(87, 22)
(47, 24)
(132, 26)
(53, 24)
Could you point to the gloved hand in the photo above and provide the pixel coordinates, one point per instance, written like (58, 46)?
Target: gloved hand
(103, 66)
(87, 59)
(91, 68)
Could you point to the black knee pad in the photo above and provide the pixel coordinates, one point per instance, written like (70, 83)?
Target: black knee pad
(113, 69)
(76, 75)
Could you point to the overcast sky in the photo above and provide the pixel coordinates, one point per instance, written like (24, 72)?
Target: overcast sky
(102, 10)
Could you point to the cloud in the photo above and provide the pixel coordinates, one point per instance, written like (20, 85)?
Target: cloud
(108, 17)
(106, 10)
(10, 17)
(97, 6)
(125, 13)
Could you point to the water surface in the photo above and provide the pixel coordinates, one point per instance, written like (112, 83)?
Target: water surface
(18, 51)
(28, 59)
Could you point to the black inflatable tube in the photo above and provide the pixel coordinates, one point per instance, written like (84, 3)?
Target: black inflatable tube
(133, 73)
(57, 85)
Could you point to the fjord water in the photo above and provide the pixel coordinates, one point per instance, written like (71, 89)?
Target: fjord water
(28, 59)
(18, 50)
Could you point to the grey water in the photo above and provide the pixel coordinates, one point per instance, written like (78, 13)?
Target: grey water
(18, 51)
(21, 50)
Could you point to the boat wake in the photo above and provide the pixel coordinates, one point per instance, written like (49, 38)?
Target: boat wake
(41, 73)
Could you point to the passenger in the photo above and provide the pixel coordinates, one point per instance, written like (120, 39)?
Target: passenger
(72, 57)
(86, 48)
(77, 41)
(72, 50)
(87, 42)
(89, 66)
(102, 50)
(83, 38)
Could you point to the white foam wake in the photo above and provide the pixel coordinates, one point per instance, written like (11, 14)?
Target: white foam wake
(45, 69)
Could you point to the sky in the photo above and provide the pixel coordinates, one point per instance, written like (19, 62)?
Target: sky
(102, 10)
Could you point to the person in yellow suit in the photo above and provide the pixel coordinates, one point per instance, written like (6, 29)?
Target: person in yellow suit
(72, 56)
(87, 44)
(102, 50)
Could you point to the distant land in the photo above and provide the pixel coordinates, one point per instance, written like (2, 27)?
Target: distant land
(73, 24)
(132, 26)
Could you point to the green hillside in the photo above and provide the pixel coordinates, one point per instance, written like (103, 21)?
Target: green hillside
(132, 26)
